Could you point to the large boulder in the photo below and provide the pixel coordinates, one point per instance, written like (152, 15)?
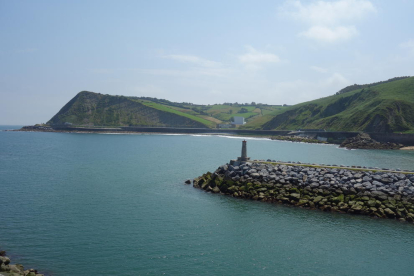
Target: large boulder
(4, 260)
(294, 196)
(17, 268)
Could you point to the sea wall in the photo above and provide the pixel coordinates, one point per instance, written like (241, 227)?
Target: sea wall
(368, 192)
(405, 139)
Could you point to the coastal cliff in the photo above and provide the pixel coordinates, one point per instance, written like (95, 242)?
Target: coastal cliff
(376, 193)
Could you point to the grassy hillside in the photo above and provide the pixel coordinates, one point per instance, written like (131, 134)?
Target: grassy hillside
(386, 106)
(179, 113)
(223, 113)
(94, 109)
(382, 107)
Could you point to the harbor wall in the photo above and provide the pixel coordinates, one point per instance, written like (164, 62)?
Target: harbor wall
(376, 193)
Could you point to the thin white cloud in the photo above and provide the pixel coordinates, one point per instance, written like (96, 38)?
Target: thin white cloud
(254, 56)
(336, 80)
(254, 59)
(409, 46)
(198, 67)
(193, 60)
(329, 12)
(213, 72)
(299, 90)
(330, 35)
(318, 69)
(328, 21)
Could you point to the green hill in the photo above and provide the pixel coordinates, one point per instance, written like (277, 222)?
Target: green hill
(386, 106)
(94, 109)
(380, 107)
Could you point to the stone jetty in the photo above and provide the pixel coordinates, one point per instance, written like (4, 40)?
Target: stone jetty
(374, 192)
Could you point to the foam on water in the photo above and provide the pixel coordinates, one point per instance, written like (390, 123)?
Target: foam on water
(244, 138)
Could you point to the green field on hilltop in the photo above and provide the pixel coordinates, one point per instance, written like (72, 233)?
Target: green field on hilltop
(180, 113)
(214, 114)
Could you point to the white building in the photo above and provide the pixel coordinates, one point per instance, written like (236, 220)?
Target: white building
(238, 121)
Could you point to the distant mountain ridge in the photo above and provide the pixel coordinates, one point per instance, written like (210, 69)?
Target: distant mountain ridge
(381, 107)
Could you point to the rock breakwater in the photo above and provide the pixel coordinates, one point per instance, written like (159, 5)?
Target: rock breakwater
(368, 192)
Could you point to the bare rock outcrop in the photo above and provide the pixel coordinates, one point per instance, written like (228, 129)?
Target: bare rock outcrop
(364, 141)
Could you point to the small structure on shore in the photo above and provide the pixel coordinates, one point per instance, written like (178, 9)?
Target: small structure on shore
(243, 158)
(238, 121)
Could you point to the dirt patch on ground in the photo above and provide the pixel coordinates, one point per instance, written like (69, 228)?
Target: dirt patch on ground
(214, 120)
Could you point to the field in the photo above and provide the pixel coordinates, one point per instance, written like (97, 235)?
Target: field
(178, 112)
(212, 115)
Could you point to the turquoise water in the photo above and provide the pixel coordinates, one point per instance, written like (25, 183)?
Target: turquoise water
(98, 204)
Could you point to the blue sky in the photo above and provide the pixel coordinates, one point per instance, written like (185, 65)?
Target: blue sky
(204, 52)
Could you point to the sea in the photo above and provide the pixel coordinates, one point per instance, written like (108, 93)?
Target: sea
(116, 204)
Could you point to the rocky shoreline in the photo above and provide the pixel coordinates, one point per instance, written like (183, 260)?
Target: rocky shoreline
(372, 192)
(297, 139)
(364, 141)
(8, 269)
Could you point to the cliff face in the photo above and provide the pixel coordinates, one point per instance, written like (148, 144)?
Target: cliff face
(94, 109)
(387, 107)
